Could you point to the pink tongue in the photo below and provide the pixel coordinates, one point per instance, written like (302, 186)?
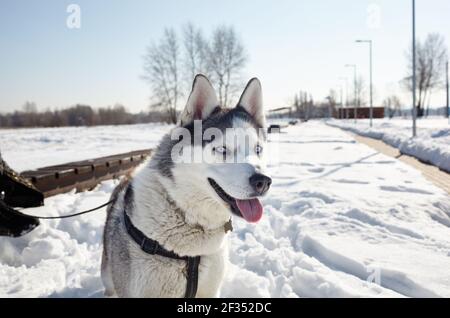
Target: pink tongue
(251, 210)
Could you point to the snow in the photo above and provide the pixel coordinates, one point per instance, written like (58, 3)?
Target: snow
(60, 258)
(22, 148)
(432, 144)
(341, 220)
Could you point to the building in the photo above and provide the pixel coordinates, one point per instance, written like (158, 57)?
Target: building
(361, 112)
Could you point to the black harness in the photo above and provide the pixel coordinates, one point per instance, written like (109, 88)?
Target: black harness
(152, 247)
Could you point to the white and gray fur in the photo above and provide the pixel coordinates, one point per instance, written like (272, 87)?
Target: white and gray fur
(174, 204)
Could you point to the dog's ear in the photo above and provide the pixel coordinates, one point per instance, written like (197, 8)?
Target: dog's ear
(201, 103)
(252, 101)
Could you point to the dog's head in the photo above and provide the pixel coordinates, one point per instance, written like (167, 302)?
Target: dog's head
(217, 154)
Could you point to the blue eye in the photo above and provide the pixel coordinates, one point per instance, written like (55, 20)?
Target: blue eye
(222, 150)
(258, 149)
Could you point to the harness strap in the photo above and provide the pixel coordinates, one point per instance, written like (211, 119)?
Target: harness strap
(148, 245)
(192, 276)
(152, 247)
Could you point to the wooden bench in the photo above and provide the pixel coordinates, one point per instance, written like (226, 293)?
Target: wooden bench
(84, 175)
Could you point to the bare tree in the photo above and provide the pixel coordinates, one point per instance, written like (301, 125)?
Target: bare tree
(166, 66)
(430, 68)
(29, 107)
(361, 92)
(195, 50)
(332, 98)
(29, 114)
(226, 58)
(297, 105)
(392, 105)
(301, 105)
(162, 71)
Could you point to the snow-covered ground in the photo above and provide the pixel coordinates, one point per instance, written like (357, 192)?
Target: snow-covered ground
(27, 149)
(432, 144)
(340, 221)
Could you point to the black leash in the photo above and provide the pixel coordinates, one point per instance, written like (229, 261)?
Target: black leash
(70, 215)
(14, 223)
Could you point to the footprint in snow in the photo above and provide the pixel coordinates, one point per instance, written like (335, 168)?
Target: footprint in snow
(316, 170)
(404, 189)
(350, 181)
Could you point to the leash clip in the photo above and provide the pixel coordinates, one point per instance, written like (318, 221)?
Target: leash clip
(228, 227)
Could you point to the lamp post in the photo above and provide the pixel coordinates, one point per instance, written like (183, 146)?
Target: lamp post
(414, 113)
(355, 115)
(371, 78)
(447, 86)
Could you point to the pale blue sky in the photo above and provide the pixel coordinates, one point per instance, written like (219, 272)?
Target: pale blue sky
(292, 44)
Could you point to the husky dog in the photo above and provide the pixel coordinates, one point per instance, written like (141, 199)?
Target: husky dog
(186, 206)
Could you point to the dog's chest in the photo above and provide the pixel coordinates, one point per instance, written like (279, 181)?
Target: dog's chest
(211, 272)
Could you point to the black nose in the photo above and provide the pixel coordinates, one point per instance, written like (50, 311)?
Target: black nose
(260, 183)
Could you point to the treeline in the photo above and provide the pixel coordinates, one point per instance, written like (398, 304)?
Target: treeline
(305, 107)
(78, 115)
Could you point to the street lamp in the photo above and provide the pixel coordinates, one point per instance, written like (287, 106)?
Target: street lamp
(340, 113)
(354, 92)
(414, 113)
(448, 92)
(371, 78)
